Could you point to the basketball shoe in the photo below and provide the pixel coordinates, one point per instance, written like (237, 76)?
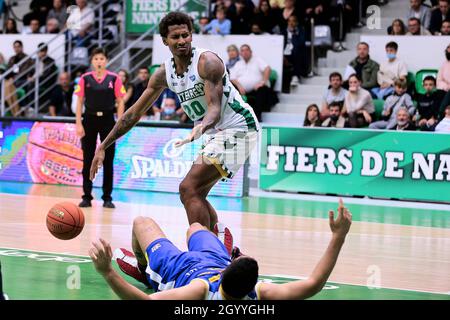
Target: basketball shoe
(224, 235)
(129, 265)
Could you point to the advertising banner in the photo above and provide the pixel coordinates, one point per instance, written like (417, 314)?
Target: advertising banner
(145, 159)
(383, 164)
(142, 15)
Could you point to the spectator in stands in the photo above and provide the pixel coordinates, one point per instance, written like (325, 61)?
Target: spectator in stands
(397, 28)
(21, 74)
(288, 10)
(11, 27)
(295, 60)
(428, 105)
(168, 110)
(279, 4)
(445, 29)
(335, 93)
(420, 11)
(34, 27)
(58, 12)
(415, 29)
(125, 78)
(267, 17)
(220, 25)
(365, 68)
(358, 104)
(46, 68)
(444, 124)
(158, 106)
(317, 9)
(251, 75)
(52, 26)
(312, 116)
(241, 16)
(141, 84)
(400, 99)
(335, 119)
(256, 29)
(10, 89)
(443, 77)
(439, 15)
(85, 18)
(233, 57)
(392, 69)
(39, 10)
(404, 122)
(61, 97)
(203, 22)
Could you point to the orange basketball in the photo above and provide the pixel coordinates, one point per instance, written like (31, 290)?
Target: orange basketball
(65, 220)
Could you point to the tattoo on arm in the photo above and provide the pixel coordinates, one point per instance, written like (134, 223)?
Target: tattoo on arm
(156, 85)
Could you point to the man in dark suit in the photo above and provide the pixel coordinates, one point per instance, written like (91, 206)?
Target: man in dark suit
(439, 15)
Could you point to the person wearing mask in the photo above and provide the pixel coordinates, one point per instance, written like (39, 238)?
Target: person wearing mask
(61, 97)
(312, 116)
(335, 119)
(392, 69)
(366, 68)
(358, 104)
(403, 122)
(169, 110)
(100, 91)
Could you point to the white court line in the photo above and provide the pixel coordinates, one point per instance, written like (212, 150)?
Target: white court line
(272, 275)
(373, 202)
(358, 285)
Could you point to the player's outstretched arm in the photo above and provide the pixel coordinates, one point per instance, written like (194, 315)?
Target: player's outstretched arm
(101, 255)
(156, 85)
(304, 289)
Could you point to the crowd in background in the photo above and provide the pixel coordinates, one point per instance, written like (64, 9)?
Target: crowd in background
(350, 103)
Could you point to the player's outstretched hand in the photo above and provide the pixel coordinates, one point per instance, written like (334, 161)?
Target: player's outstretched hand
(101, 255)
(97, 163)
(341, 225)
(194, 135)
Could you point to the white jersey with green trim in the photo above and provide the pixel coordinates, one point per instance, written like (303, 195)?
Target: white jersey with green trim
(235, 113)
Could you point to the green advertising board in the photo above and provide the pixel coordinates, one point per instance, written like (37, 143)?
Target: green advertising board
(381, 164)
(142, 15)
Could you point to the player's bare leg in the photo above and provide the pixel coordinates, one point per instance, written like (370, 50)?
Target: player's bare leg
(195, 188)
(145, 231)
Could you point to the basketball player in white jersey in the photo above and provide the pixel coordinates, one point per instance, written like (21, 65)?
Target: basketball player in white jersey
(229, 125)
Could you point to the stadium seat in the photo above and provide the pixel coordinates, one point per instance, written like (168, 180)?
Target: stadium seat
(420, 75)
(322, 34)
(153, 68)
(379, 104)
(80, 57)
(273, 78)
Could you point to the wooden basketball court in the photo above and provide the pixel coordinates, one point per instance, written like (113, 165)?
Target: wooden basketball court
(390, 252)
